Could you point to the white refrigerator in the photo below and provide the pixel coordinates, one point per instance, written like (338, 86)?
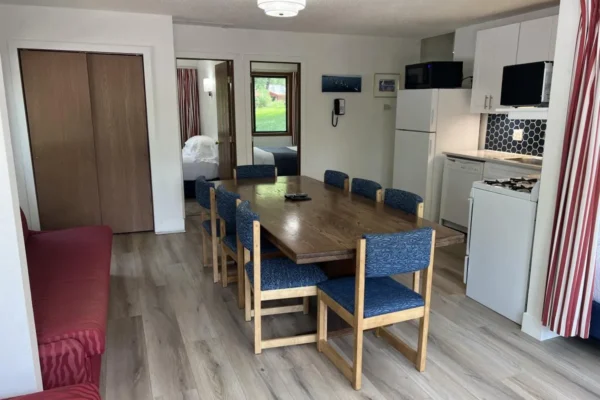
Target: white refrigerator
(428, 123)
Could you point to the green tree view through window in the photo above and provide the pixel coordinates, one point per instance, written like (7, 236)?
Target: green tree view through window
(270, 104)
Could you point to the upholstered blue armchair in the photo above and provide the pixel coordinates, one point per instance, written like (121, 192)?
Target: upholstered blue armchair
(272, 279)
(254, 172)
(205, 196)
(337, 179)
(366, 188)
(372, 299)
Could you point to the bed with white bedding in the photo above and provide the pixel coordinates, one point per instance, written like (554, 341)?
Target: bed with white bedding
(200, 157)
(284, 158)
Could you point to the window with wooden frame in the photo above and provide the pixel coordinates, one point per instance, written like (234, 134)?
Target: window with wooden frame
(271, 112)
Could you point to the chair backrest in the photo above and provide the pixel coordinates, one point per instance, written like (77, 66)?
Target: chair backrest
(336, 178)
(389, 254)
(366, 188)
(203, 192)
(245, 218)
(255, 171)
(226, 208)
(405, 201)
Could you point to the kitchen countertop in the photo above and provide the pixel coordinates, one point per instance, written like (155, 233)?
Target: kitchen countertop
(499, 157)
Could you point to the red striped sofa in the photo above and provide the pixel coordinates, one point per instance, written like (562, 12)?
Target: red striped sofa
(86, 391)
(69, 275)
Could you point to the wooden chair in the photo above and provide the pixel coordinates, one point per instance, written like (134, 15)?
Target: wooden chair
(254, 172)
(373, 300)
(226, 204)
(337, 179)
(205, 195)
(366, 188)
(272, 279)
(410, 203)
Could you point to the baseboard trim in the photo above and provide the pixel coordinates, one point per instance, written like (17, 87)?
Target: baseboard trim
(534, 328)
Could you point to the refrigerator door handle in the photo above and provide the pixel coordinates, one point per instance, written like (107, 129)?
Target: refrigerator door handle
(432, 116)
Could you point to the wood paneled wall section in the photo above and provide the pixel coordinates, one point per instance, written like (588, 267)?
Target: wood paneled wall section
(121, 138)
(56, 89)
(89, 139)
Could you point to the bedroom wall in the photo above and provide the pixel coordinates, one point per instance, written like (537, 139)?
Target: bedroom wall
(62, 28)
(362, 144)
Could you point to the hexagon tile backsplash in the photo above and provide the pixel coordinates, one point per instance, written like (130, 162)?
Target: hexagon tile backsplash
(500, 130)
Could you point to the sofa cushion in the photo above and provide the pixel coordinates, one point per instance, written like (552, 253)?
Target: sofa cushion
(86, 391)
(69, 273)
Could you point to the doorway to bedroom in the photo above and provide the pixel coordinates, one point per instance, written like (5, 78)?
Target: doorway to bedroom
(275, 115)
(206, 121)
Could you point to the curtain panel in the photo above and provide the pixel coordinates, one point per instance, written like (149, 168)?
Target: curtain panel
(189, 103)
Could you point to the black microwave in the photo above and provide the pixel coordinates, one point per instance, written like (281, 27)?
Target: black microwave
(434, 75)
(526, 84)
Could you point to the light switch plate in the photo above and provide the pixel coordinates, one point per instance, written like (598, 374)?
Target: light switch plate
(517, 135)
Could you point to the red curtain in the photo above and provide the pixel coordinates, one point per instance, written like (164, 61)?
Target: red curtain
(570, 284)
(189, 103)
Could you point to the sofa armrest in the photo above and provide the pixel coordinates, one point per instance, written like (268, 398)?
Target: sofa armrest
(86, 391)
(64, 363)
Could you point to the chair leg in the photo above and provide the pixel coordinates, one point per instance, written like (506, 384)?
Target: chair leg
(321, 322)
(257, 323)
(224, 272)
(204, 244)
(422, 350)
(357, 365)
(378, 332)
(215, 258)
(247, 298)
(241, 274)
(305, 305)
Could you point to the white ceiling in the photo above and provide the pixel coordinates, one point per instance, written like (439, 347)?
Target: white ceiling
(410, 18)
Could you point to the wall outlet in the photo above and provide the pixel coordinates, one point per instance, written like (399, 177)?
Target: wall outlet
(517, 135)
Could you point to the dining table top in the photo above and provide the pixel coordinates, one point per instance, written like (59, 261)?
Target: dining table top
(327, 227)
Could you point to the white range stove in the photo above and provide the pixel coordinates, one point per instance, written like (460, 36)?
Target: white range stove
(498, 260)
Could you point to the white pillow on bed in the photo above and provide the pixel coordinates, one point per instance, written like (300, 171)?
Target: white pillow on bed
(201, 148)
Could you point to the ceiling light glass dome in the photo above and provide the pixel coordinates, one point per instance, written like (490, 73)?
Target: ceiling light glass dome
(282, 8)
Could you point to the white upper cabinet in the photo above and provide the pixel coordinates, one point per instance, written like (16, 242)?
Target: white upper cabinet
(495, 49)
(520, 43)
(534, 41)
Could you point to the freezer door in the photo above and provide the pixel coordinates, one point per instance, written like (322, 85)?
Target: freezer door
(416, 110)
(413, 164)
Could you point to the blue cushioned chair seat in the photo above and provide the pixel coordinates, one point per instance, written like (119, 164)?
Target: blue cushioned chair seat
(206, 225)
(283, 273)
(382, 295)
(265, 248)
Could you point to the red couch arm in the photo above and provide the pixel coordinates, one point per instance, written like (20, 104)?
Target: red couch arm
(64, 363)
(75, 392)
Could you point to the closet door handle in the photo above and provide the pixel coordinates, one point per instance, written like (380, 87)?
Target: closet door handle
(490, 106)
(485, 103)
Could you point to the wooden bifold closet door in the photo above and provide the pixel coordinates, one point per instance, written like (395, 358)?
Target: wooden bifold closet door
(89, 139)
(121, 140)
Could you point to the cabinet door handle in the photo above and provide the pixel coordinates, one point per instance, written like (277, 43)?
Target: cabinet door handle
(485, 106)
(491, 101)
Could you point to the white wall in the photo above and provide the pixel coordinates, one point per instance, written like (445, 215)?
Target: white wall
(438, 48)
(362, 144)
(275, 141)
(465, 37)
(566, 39)
(208, 104)
(70, 29)
(19, 359)
(273, 67)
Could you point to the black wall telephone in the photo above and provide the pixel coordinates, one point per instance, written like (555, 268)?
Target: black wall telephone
(339, 108)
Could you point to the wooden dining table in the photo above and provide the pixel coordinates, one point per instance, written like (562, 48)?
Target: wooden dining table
(327, 227)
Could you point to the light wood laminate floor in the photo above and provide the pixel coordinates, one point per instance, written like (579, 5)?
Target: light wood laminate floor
(173, 334)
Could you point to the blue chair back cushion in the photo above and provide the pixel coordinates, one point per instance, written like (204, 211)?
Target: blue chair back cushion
(402, 200)
(255, 171)
(397, 253)
(335, 178)
(366, 188)
(203, 192)
(245, 218)
(226, 207)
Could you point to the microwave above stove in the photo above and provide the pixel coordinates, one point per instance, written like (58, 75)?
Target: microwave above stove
(527, 85)
(434, 75)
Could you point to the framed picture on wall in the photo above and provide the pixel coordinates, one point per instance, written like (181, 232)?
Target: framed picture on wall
(386, 85)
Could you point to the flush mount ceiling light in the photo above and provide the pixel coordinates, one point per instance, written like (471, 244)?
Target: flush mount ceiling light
(282, 8)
